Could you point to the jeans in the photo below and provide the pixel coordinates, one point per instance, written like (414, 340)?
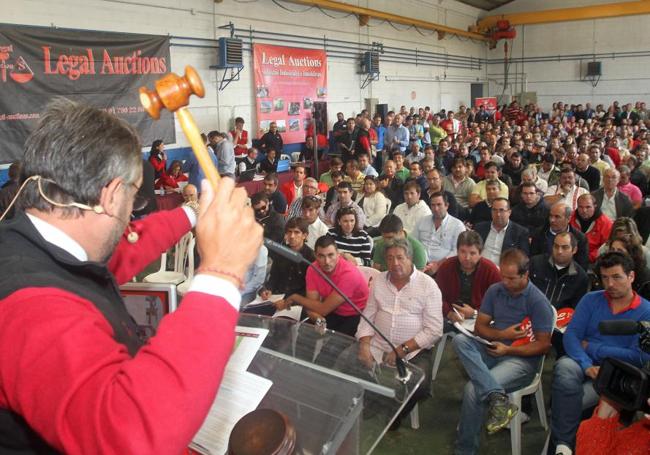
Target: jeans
(487, 375)
(572, 392)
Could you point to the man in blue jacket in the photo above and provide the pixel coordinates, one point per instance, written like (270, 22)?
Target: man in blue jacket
(586, 348)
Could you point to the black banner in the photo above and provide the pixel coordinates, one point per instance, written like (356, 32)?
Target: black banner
(99, 68)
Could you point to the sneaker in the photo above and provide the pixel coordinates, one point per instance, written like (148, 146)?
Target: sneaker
(500, 413)
(562, 449)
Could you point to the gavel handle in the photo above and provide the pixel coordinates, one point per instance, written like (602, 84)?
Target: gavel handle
(200, 151)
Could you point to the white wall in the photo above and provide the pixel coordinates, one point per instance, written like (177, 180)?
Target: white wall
(624, 79)
(200, 19)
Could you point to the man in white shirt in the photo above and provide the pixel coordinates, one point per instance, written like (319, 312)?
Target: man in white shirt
(413, 208)
(566, 190)
(612, 202)
(406, 305)
(438, 232)
(310, 209)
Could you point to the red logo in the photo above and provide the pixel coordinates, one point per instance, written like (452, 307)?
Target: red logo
(18, 68)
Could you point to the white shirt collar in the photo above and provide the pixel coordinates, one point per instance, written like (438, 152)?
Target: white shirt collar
(57, 237)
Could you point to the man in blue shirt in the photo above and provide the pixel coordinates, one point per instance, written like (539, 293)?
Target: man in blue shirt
(586, 348)
(512, 360)
(191, 165)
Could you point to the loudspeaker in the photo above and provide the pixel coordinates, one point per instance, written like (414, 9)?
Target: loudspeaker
(594, 69)
(382, 109)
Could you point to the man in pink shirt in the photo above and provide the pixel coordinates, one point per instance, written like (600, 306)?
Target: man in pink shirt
(321, 300)
(628, 188)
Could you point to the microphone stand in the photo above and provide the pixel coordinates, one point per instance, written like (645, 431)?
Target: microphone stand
(403, 374)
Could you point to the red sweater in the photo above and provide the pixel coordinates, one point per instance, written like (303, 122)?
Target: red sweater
(449, 282)
(597, 235)
(82, 391)
(598, 436)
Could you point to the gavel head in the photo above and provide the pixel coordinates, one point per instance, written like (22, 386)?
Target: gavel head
(171, 92)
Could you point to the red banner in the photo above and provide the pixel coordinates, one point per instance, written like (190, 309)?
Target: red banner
(489, 103)
(287, 82)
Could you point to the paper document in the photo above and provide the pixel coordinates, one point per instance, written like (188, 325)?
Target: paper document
(240, 393)
(247, 342)
(258, 177)
(292, 313)
(259, 301)
(462, 329)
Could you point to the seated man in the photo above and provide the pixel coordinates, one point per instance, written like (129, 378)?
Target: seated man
(531, 212)
(336, 164)
(610, 200)
(293, 189)
(501, 234)
(558, 221)
(271, 221)
(586, 347)
(458, 183)
(309, 188)
(413, 208)
(414, 329)
(322, 300)
(506, 366)
(276, 198)
(344, 193)
(483, 210)
(365, 167)
(310, 211)
(288, 277)
(566, 191)
(391, 227)
(592, 223)
(354, 176)
(391, 185)
(438, 233)
(479, 192)
(464, 278)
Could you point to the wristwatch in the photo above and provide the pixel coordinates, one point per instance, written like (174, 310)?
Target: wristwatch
(475, 315)
(405, 348)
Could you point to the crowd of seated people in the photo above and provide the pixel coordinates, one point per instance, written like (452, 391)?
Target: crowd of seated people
(509, 214)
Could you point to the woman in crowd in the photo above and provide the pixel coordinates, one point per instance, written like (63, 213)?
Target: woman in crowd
(374, 204)
(158, 158)
(350, 238)
(172, 177)
(626, 227)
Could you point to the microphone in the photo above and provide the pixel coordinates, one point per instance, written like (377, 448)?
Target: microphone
(403, 374)
(621, 327)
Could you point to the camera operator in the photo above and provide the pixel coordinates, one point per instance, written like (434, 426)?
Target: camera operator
(586, 347)
(602, 433)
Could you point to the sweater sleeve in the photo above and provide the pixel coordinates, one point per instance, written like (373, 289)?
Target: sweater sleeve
(575, 333)
(157, 233)
(447, 281)
(82, 392)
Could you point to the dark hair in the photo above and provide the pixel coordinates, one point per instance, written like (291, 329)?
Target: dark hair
(344, 186)
(504, 199)
(325, 241)
(528, 185)
(469, 238)
(310, 202)
(391, 224)
(154, 147)
(239, 120)
(15, 169)
(272, 177)
(340, 213)
(337, 174)
(170, 168)
(259, 197)
(517, 257)
(490, 164)
(80, 149)
(614, 258)
(494, 182)
(297, 223)
(213, 133)
(354, 162)
(412, 185)
(441, 194)
(335, 161)
(572, 238)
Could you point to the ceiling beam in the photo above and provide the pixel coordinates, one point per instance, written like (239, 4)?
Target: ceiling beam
(380, 15)
(566, 14)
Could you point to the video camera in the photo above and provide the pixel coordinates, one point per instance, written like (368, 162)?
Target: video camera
(619, 381)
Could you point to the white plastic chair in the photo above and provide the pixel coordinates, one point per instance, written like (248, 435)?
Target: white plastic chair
(535, 387)
(295, 156)
(177, 275)
(182, 288)
(440, 349)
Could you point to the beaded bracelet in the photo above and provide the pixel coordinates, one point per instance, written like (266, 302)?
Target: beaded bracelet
(240, 282)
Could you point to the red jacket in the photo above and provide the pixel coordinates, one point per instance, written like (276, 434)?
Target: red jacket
(597, 234)
(289, 192)
(448, 281)
(168, 181)
(82, 391)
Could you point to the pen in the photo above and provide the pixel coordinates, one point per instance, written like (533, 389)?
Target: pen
(458, 313)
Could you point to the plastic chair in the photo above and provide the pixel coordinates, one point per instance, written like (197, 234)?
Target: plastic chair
(295, 156)
(177, 275)
(535, 387)
(440, 349)
(182, 288)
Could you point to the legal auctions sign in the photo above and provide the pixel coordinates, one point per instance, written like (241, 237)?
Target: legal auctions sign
(98, 68)
(287, 82)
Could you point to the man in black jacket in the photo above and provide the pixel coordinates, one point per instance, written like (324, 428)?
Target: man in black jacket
(560, 278)
(532, 211)
(558, 221)
(622, 206)
(501, 234)
(271, 221)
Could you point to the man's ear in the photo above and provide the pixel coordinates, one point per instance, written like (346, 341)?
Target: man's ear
(109, 198)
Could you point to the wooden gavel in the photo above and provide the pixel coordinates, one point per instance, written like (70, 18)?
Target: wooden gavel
(172, 92)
